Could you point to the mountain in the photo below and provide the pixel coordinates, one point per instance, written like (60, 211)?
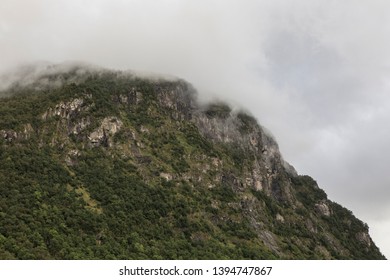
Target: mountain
(100, 164)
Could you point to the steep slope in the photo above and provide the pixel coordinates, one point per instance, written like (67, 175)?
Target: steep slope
(107, 165)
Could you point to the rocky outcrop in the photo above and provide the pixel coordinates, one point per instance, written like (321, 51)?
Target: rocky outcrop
(179, 99)
(166, 176)
(364, 238)
(65, 110)
(279, 218)
(217, 129)
(104, 133)
(72, 157)
(133, 97)
(323, 209)
(28, 130)
(68, 113)
(9, 135)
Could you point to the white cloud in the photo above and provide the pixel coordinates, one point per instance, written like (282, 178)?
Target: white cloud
(313, 71)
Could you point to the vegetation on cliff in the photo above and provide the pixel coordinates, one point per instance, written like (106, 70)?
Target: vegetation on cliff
(106, 165)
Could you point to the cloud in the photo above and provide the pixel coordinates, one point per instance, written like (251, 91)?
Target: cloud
(313, 71)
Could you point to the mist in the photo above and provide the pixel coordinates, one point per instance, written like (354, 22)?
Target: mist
(313, 72)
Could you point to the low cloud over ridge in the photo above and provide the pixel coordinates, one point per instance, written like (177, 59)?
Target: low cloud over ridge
(314, 72)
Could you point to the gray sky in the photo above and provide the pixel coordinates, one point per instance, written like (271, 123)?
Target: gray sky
(314, 72)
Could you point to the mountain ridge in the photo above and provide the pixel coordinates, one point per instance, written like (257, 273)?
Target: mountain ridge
(136, 168)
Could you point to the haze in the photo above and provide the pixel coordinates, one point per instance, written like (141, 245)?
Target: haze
(314, 72)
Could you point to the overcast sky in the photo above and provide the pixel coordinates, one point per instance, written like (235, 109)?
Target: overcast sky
(314, 72)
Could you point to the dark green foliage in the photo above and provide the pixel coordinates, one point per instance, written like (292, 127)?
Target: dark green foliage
(308, 191)
(224, 193)
(271, 206)
(42, 218)
(248, 123)
(218, 110)
(194, 139)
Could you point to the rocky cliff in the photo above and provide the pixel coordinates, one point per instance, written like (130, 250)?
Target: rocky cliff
(106, 165)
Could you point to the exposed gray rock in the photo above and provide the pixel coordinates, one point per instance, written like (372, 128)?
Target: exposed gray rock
(364, 237)
(310, 226)
(133, 97)
(166, 176)
(269, 240)
(9, 135)
(323, 209)
(103, 134)
(144, 129)
(65, 109)
(180, 100)
(71, 157)
(279, 218)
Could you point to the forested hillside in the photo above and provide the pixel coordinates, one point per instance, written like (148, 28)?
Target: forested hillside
(108, 165)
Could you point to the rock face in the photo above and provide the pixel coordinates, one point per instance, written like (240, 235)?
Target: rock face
(65, 109)
(8, 135)
(104, 133)
(364, 238)
(323, 208)
(170, 178)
